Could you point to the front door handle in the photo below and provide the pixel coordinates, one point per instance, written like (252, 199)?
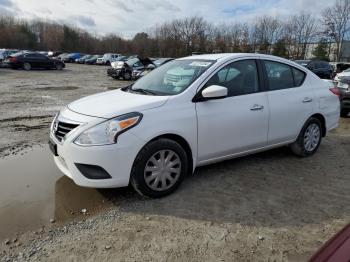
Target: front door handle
(256, 107)
(307, 100)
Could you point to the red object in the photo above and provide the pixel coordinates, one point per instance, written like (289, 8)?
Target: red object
(337, 249)
(335, 91)
(13, 59)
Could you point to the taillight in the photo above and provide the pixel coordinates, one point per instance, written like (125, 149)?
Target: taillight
(335, 91)
(13, 59)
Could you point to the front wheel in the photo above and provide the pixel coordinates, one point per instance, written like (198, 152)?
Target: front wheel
(159, 168)
(127, 76)
(309, 138)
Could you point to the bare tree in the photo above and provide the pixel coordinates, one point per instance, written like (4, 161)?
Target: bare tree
(336, 22)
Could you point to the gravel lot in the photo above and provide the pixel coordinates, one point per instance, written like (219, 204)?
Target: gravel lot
(270, 206)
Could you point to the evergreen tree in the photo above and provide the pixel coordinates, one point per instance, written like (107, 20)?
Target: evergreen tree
(280, 49)
(320, 51)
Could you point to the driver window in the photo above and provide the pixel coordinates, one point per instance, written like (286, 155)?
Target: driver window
(240, 78)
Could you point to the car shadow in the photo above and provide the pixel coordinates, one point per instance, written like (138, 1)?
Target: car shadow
(273, 188)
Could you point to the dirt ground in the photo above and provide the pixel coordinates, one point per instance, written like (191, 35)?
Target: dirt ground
(271, 206)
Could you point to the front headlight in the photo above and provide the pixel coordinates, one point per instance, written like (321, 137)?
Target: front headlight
(342, 85)
(107, 132)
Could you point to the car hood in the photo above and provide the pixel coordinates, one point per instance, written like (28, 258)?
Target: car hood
(117, 102)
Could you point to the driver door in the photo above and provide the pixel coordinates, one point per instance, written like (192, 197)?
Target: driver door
(237, 123)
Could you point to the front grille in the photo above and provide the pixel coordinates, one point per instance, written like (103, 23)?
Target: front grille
(63, 128)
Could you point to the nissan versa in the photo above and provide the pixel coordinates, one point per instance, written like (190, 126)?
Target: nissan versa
(192, 112)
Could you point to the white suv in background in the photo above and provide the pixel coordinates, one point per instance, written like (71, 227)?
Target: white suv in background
(107, 59)
(154, 132)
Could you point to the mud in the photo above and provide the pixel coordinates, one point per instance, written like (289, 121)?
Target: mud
(271, 206)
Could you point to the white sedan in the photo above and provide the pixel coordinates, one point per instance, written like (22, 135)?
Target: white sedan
(192, 112)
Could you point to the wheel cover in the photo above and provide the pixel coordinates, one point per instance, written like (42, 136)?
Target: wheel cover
(312, 137)
(162, 170)
(27, 66)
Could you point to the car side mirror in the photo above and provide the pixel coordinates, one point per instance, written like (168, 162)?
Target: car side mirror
(214, 92)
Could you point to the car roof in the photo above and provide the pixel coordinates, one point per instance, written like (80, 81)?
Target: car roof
(225, 56)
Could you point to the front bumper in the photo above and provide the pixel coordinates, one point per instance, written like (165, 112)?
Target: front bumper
(115, 73)
(117, 159)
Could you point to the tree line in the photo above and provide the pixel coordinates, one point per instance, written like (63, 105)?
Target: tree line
(267, 34)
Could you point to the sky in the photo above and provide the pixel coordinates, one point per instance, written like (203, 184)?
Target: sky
(127, 17)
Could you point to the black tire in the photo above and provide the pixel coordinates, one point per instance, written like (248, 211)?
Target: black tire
(137, 178)
(27, 66)
(127, 76)
(344, 113)
(59, 67)
(299, 147)
(108, 63)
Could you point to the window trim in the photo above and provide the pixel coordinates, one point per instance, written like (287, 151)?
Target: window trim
(262, 61)
(261, 85)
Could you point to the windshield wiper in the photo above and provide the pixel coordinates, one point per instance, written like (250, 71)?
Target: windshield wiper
(144, 91)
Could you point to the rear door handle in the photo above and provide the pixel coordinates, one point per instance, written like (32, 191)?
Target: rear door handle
(307, 100)
(256, 107)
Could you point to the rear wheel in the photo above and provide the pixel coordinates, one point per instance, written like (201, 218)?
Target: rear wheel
(27, 66)
(309, 138)
(159, 168)
(59, 67)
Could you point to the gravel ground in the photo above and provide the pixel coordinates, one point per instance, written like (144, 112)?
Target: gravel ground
(270, 206)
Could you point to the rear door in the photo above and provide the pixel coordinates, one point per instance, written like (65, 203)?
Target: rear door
(290, 101)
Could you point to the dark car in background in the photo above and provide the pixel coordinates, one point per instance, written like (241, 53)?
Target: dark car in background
(136, 74)
(321, 68)
(124, 69)
(92, 60)
(33, 60)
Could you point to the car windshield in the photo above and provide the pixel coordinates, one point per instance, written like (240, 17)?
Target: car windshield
(132, 61)
(173, 77)
(347, 70)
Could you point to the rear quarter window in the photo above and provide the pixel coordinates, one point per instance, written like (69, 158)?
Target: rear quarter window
(299, 77)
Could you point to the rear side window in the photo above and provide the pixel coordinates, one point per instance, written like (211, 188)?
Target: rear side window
(279, 76)
(282, 76)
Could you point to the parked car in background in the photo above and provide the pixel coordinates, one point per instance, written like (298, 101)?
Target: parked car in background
(5, 53)
(339, 67)
(107, 59)
(343, 86)
(82, 59)
(124, 69)
(136, 74)
(61, 56)
(92, 60)
(33, 60)
(320, 68)
(151, 134)
(70, 58)
(343, 75)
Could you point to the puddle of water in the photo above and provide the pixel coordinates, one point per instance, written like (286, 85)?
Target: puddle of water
(33, 190)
